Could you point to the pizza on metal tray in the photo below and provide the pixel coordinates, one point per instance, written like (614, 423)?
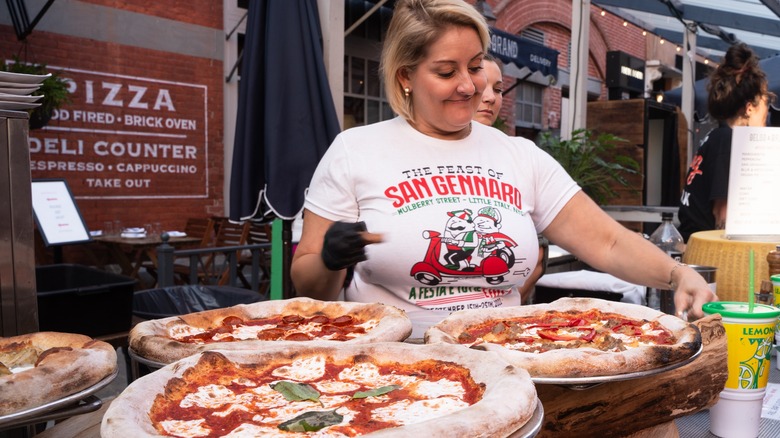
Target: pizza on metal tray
(257, 325)
(327, 389)
(44, 367)
(574, 337)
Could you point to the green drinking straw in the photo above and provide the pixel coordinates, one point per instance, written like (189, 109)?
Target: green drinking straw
(751, 295)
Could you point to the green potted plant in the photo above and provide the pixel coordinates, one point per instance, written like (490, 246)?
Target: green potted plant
(54, 90)
(592, 161)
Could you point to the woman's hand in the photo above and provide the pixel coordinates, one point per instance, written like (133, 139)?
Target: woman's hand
(344, 245)
(692, 292)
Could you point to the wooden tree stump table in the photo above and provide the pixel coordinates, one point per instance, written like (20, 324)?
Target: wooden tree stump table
(643, 407)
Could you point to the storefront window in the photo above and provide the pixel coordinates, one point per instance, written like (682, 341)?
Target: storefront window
(528, 105)
(364, 100)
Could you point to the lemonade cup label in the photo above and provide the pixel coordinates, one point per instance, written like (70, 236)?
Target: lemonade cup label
(750, 333)
(749, 346)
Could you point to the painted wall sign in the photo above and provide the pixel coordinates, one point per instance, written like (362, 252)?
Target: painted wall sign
(126, 137)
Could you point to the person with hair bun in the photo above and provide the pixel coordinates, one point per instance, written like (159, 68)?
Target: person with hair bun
(436, 213)
(738, 96)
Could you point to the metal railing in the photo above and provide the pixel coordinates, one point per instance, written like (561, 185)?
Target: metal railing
(200, 273)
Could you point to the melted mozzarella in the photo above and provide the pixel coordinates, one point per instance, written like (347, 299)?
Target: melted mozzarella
(249, 430)
(302, 370)
(332, 386)
(266, 397)
(363, 373)
(208, 396)
(440, 388)
(334, 401)
(214, 396)
(230, 410)
(188, 429)
(20, 368)
(406, 412)
(180, 331)
(243, 332)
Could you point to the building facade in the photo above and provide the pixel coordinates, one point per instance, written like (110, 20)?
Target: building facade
(148, 133)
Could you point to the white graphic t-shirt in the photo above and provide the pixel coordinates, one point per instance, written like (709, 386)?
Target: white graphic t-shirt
(459, 218)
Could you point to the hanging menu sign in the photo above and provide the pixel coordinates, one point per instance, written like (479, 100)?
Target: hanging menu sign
(126, 137)
(753, 212)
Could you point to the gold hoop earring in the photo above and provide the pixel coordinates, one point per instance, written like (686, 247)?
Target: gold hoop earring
(407, 91)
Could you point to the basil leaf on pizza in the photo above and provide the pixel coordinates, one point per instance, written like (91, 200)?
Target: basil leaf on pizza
(574, 337)
(375, 392)
(296, 391)
(312, 421)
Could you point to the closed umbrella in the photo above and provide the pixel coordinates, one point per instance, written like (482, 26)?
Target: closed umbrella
(285, 119)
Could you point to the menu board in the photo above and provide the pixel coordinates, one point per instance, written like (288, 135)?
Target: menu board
(59, 219)
(753, 211)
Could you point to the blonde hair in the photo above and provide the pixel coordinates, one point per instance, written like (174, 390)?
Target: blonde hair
(415, 25)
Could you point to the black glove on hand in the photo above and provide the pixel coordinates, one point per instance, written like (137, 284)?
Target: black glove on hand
(343, 245)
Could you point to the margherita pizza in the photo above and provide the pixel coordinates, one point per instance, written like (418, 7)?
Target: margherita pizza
(574, 337)
(325, 389)
(44, 367)
(252, 326)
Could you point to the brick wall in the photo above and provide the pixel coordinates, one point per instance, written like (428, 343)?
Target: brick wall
(553, 17)
(141, 140)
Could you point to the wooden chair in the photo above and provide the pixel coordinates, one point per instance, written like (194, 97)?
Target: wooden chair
(214, 266)
(202, 227)
(258, 233)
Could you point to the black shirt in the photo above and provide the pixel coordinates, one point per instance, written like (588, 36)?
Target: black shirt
(707, 181)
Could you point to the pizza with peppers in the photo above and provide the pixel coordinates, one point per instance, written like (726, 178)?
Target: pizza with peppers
(257, 325)
(574, 337)
(315, 389)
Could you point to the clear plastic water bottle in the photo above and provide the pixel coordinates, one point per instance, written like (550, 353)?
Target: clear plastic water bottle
(671, 242)
(668, 238)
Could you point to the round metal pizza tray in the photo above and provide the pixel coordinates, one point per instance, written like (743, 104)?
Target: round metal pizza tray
(532, 427)
(38, 413)
(144, 361)
(589, 382)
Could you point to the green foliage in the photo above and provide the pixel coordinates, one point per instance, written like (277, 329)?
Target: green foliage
(592, 161)
(54, 88)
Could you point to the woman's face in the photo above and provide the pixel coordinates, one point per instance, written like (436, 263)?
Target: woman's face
(446, 86)
(487, 113)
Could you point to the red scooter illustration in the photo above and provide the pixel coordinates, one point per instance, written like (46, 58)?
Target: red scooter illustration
(430, 271)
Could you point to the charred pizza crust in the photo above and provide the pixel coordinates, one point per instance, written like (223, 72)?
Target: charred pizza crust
(579, 362)
(150, 339)
(508, 401)
(64, 364)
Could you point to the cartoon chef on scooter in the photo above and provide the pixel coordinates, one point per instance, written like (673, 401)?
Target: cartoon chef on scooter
(460, 240)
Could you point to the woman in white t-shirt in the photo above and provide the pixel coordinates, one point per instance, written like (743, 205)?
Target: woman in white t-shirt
(456, 205)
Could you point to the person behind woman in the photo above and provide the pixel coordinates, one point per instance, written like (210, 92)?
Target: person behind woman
(492, 97)
(487, 114)
(738, 96)
(457, 205)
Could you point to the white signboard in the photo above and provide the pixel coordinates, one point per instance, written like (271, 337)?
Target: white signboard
(58, 218)
(753, 211)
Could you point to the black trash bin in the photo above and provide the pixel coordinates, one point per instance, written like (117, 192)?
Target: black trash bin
(79, 299)
(181, 300)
